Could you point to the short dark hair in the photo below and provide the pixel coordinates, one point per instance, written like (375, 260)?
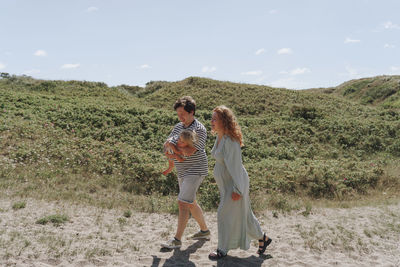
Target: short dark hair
(188, 104)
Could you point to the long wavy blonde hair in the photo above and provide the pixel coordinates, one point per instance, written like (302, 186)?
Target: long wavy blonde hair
(232, 128)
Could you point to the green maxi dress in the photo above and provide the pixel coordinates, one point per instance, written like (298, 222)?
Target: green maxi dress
(237, 225)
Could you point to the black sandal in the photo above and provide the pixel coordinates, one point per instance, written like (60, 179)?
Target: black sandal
(216, 255)
(261, 249)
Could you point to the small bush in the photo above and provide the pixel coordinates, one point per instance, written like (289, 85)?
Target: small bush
(146, 179)
(19, 205)
(127, 214)
(56, 219)
(307, 212)
(47, 86)
(282, 203)
(306, 112)
(373, 144)
(209, 195)
(122, 221)
(395, 148)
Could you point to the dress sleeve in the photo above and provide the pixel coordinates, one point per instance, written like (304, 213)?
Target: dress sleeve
(233, 161)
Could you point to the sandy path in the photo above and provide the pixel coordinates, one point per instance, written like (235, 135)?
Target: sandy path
(364, 236)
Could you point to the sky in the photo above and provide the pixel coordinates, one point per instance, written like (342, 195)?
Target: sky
(295, 44)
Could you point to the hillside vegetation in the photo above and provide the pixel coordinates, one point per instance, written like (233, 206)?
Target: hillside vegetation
(85, 141)
(380, 90)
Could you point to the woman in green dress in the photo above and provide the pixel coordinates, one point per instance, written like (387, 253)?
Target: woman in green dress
(237, 225)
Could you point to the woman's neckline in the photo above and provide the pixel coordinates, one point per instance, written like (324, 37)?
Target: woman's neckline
(189, 124)
(219, 140)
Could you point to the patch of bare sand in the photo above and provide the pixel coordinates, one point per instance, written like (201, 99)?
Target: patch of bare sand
(363, 236)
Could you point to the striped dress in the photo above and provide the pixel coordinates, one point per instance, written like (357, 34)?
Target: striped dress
(195, 164)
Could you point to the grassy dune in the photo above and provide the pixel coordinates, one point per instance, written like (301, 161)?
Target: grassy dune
(380, 90)
(90, 143)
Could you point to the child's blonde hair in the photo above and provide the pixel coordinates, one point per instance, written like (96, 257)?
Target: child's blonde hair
(189, 136)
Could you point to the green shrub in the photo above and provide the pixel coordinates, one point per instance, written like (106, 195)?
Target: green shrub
(306, 112)
(56, 219)
(145, 179)
(127, 214)
(395, 148)
(82, 140)
(373, 144)
(47, 86)
(208, 194)
(19, 205)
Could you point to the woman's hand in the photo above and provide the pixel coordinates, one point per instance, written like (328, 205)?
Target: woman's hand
(235, 196)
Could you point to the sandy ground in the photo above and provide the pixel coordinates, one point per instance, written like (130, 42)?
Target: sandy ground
(363, 236)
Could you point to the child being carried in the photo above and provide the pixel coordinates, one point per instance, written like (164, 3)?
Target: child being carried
(187, 138)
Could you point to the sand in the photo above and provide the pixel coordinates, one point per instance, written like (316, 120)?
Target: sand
(362, 236)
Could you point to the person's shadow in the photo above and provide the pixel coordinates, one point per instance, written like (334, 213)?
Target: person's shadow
(180, 257)
(255, 261)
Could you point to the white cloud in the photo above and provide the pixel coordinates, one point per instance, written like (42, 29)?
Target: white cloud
(285, 51)
(252, 73)
(297, 71)
(208, 69)
(260, 51)
(288, 83)
(92, 9)
(273, 11)
(395, 69)
(2, 66)
(349, 40)
(259, 79)
(145, 66)
(390, 25)
(70, 66)
(354, 73)
(300, 71)
(389, 46)
(351, 73)
(32, 71)
(40, 53)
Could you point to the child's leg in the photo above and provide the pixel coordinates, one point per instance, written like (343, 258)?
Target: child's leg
(170, 167)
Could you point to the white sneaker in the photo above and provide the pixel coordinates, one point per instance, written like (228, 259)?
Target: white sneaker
(173, 243)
